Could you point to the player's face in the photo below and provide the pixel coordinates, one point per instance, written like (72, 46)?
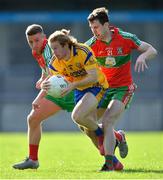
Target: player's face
(99, 30)
(36, 41)
(59, 50)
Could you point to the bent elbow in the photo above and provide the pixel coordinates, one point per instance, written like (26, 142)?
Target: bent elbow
(155, 52)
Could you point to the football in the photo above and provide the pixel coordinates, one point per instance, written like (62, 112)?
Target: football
(57, 84)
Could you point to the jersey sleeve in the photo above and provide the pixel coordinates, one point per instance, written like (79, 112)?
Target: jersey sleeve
(90, 61)
(90, 42)
(52, 69)
(135, 42)
(131, 40)
(47, 54)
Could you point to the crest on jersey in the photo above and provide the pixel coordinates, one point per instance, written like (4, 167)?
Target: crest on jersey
(110, 62)
(78, 65)
(119, 51)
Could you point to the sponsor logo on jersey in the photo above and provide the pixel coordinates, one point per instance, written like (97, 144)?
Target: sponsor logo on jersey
(79, 73)
(70, 67)
(110, 61)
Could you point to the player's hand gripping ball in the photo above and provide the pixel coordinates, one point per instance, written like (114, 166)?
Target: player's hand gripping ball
(57, 84)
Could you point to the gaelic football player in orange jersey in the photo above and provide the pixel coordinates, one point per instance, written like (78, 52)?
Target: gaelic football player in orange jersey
(44, 105)
(112, 48)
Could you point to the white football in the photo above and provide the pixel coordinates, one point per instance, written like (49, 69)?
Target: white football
(57, 84)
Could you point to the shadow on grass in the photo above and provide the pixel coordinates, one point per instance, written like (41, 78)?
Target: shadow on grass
(141, 170)
(125, 171)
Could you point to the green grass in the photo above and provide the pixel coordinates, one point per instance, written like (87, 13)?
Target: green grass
(72, 156)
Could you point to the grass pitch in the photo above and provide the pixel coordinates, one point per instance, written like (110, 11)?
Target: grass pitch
(72, 156)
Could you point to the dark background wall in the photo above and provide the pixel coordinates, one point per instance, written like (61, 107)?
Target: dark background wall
(51, 5)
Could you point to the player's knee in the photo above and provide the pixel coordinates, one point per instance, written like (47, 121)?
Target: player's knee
(32, 120)
(76, 118)
(29, 119)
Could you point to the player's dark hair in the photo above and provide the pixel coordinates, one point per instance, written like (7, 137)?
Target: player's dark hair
(100, 14)
(33, 29)
(62, 37)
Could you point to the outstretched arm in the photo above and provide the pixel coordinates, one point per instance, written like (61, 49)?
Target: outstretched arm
(148, 52)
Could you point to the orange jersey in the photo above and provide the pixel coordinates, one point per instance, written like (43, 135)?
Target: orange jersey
(114, 57)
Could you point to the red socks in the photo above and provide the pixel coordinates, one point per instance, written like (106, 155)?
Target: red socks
(33, 152)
